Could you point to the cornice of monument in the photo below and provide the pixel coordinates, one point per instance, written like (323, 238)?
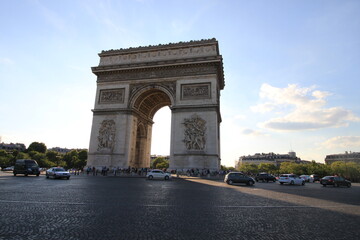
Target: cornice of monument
(148, 62)
(158, 47)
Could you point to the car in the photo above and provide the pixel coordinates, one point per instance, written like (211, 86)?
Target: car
(11, 168)
(291, 179)
(57, 172)
(335, 181)
(158, 174)
(26, 167)
(265, 177)
(238, 177)
(314, 178)
(305, 177)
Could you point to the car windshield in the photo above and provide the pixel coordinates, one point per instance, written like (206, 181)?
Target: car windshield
(59, 169)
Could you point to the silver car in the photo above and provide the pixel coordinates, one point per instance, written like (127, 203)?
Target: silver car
(291, 179)
(57, 172)
(158, 174)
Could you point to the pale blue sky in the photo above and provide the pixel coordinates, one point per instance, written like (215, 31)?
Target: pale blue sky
(292, 69)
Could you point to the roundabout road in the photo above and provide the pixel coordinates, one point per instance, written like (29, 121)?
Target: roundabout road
(97, 207)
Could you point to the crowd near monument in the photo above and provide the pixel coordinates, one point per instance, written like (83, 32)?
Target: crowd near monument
(134, 83)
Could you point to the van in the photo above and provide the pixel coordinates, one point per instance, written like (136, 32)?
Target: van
(26, 167)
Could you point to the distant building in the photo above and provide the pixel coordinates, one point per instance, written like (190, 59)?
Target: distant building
(9, 147)
(343, 157)
(60, 150)
(271, 158)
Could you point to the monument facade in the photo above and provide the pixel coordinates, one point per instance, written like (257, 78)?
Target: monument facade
(134, 83)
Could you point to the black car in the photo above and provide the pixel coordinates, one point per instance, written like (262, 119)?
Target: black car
(315, 177)
(265, 177)
(26, 167)
(238, 177)
(335, 181)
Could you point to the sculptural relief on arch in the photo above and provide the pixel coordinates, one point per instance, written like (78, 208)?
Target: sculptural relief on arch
(134, 83)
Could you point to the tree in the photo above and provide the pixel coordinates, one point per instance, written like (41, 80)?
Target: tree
(160, 163)
(71, 158)
(349, 170)
(268, 167)
(5, 158)
(38, 147)
(249, 168)
(83, 155)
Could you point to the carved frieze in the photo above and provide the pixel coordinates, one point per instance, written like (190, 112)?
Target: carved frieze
(194, 133)
(151, 73)
(108, 96)
(195, 91)
(170, 86)
(106, 137)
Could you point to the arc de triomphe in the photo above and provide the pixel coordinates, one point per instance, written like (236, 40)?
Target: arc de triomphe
(134, 83)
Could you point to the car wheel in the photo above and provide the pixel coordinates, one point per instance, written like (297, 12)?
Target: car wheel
(166, 177)
(47, 176)
(281, 183)
(349, 185)
(26, 174)
(230, 182)
(14, 174)
(292, 183)
(303, 183)
(250, 183)
(150, 177)
(68, 178)
(37, 175)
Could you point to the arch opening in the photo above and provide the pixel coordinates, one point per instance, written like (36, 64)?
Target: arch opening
(146, 105)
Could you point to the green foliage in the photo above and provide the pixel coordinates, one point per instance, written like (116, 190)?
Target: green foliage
(225, 168)
(249, 168)
(268, 167)
(349, 170)
(160, 163)
(22, 155)
(306, 169)
(38, 147)
(52, 156)
(5, 159)
(75, 159)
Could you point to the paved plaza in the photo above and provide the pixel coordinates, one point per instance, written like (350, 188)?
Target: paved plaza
(108, 207)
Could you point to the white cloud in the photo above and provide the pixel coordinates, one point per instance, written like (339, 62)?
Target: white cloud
(251, 132)
(301, 108)
(343, 142)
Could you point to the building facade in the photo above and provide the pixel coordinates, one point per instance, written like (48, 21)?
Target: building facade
(271, 158)
(343, 157)
(12, 146)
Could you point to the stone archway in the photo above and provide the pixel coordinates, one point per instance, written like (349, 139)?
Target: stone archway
(133, 84)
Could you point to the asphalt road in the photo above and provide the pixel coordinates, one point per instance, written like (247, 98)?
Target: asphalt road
(97, 207)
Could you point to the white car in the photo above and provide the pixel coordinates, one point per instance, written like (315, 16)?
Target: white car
(291, 179)
(57, 172)
(158, 174)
